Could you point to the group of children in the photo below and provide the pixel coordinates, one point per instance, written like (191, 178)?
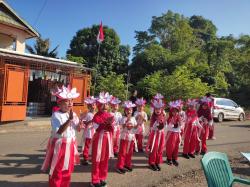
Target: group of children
(107, 133)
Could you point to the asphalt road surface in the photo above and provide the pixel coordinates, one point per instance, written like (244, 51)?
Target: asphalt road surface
(22, 150)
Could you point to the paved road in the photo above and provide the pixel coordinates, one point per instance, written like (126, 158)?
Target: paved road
(22, 153)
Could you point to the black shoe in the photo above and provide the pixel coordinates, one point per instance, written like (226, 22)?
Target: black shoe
(103, 183)
(141, 151)
(197, 153)
(129, 169)
(203, 152)
(153, 167)
(169, 162)
(158, 167)
(95, 185)
(191, 155)
(121, 171)
(185, 156)
(85, 162)
(116, 155)
(175, 163)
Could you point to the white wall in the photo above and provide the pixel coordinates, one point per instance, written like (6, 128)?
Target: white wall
(13, 33)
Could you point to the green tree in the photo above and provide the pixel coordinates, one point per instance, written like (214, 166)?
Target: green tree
(166, 45)
(114, 84)
(173, 31)
(77, 59)
(42, 47)
(113, 56)
(150, 84)
(144, 40)
(184, 84)
(204, 29)
(181, 84)
(152, 59)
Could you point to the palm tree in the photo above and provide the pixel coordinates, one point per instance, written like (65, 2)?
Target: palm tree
(41, 47)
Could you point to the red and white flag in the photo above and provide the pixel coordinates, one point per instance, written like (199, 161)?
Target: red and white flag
(100, 36)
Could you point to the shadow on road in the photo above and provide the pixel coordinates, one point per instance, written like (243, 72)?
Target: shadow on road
(241, 171)
(229, 143)
(38, 184)
(21, 165)
(243, 126)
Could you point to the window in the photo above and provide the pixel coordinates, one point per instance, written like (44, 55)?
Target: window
(229, 103)
(220, 102)
(14, 45)
(7, 42)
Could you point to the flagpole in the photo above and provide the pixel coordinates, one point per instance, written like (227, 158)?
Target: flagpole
(97, 64)
(128, 77)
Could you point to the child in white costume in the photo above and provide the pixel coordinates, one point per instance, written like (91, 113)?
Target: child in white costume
(88, 129)
(117, 117)
(141, 118)
(127, 140)
(62, 151)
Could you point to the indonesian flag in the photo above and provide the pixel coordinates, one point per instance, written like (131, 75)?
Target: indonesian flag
(100, 36)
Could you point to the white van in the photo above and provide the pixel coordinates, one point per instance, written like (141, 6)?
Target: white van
(227, 109)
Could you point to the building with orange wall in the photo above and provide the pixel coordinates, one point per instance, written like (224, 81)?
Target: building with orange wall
(26, 79)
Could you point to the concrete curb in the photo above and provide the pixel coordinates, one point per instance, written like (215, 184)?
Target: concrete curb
(25, 126)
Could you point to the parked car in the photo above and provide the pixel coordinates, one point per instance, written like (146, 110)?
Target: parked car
(227, 109)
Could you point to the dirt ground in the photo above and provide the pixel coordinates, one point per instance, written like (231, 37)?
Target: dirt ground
(22, 150)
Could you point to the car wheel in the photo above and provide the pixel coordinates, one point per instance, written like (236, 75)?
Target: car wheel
(241, 117)
(220, 117)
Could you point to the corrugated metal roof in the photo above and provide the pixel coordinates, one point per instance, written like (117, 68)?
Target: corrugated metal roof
(14, 19)
(42, 59)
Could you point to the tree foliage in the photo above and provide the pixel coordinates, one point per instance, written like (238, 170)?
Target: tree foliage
(114, 84)
(42, 47)
(181, 84)
(113, 56)
(77, 59)
(186, 55)
(179, 56)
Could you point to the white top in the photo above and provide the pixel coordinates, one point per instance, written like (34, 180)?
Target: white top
(155, 126)
(89, 129)
(170, 127)
(58, 118)
(183, 115)
(117, 118)
(141, 128)
(195, 122)
(125, 133)
(183, 118)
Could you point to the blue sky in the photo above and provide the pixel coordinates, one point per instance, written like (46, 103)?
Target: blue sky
(61, 19)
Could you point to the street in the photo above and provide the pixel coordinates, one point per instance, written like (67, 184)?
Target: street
(23, 150)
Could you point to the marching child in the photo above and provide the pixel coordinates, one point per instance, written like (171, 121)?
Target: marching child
(102, 148)
(117, 117)
(173, 136)
(191, 129)
(155, 143)
(127, 140)
(62, 152)
(141, 118)
(183, 117)
(206, 120)
(211, 134)
(158, 96)
(89, 130)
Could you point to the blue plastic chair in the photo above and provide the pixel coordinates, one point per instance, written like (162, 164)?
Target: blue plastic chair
(218, 171)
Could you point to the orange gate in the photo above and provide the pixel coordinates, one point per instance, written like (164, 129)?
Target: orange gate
(82, 83)
(13, 97)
